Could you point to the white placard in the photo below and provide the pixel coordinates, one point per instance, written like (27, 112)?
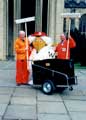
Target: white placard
(71, 15)
(28, 19)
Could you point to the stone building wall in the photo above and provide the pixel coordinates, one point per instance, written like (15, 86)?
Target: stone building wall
(2, 30)
(54, 21)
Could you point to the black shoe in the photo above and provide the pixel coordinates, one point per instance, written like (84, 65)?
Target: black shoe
(24, 83)
(18, 84)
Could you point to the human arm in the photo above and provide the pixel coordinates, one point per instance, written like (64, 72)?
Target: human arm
(72, 42)
(19, 49)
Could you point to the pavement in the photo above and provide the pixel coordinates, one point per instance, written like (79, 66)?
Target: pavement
(29, 103)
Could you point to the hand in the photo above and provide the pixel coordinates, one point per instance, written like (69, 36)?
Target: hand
(26, 48)
(56, 54)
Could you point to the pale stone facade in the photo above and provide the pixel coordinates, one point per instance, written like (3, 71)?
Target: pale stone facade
(2, 30)
(54, 21)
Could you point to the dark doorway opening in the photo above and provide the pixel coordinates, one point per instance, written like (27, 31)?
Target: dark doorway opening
(44, 16)
(28, 10)
(82, 26)
(79, 36)
(10, 30)
(82, 29)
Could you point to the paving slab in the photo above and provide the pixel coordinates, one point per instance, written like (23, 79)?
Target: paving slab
(24, 100)
(44, 97)
(51, 107)
(7, 74)
(2, 109)
(24, 91)
(7, 78)
(75, 106)
(74, 92)
(4, 84)
(20, 112)
(0, 117)
(6, 90)
(4, 99)
(53, 117)
(80, 98)
(7, 65)
(78, 115)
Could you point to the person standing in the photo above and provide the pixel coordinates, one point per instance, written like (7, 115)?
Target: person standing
(22, 72)
(63, 48)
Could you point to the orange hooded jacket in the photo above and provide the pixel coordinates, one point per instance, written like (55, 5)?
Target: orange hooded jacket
(19, 47)
(61, 48)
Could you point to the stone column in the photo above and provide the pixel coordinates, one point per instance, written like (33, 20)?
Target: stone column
(17, 15)
(68, 24)
(55, 21)
(51, 22)
(2, 29)
(6, 6)
(38, 15)
(77, 23)
(59, 18)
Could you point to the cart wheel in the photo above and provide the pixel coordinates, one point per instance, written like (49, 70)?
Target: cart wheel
(48, 87)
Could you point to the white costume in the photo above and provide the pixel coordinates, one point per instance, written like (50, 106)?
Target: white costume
(47, 52)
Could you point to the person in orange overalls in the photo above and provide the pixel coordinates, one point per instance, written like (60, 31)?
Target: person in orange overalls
(63, 48)
(21, 59)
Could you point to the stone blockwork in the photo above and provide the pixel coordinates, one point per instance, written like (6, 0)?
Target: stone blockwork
(2, 42)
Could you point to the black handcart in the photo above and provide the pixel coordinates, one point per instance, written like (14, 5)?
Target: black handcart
(53, 73)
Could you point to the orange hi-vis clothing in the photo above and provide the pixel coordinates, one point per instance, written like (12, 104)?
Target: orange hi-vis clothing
(22, 73)
(61, 48)
(20, 49)
(21, 61)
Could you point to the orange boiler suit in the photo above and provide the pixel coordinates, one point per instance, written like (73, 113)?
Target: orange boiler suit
(22, 72)
(61, 48)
